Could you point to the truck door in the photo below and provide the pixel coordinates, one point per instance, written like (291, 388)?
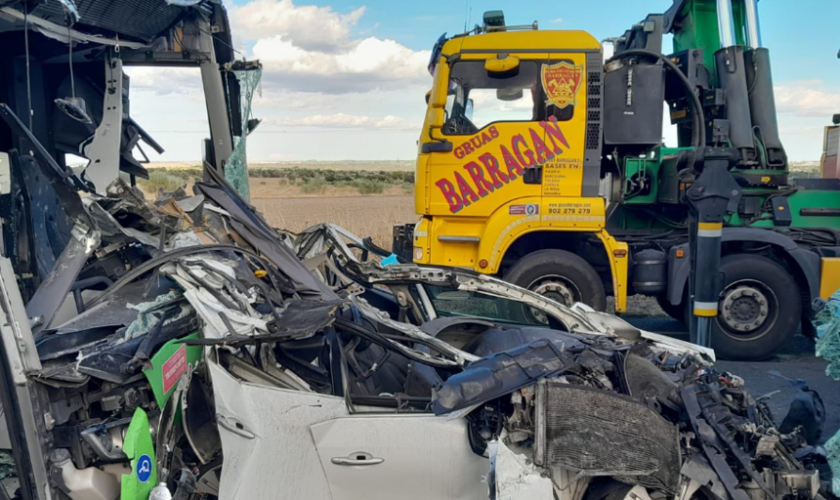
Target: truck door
(563, 84)
(491, 119)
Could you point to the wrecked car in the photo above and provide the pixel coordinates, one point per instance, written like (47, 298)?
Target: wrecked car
(184, 344)
(245, 362)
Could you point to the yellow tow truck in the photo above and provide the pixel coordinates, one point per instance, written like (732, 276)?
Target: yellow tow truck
(521, 174)
(542, 163)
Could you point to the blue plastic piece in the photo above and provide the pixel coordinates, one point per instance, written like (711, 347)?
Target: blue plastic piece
(390, 260)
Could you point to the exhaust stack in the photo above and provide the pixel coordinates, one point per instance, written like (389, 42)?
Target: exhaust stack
(732, 77)
(762, 100)
(726, 24)
(752, 24)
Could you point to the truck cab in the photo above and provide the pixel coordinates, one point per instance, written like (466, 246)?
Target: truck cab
(544, 164)
(510, 156)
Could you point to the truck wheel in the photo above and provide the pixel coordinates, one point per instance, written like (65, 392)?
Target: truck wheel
(676, 312)
(561, 276)
(759, 309)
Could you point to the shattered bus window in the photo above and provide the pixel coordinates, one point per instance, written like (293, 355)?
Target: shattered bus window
(240, 89)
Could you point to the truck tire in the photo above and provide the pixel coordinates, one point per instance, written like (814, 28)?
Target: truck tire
(759, 310)
(559, 275)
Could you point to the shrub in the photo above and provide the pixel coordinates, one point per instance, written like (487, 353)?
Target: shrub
(370, 186)
(184, 173)
(313, 185)
(160, 179)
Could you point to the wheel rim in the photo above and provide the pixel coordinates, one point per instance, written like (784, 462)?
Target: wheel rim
(747, 310)
(557, 288)
(554, 287)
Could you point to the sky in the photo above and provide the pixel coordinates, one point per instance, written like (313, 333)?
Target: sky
(346, 80)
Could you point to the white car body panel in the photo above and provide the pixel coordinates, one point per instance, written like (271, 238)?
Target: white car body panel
(424, 457)
(280, 461)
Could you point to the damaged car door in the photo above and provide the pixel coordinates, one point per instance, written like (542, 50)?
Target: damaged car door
(313, 447)
(375, 457)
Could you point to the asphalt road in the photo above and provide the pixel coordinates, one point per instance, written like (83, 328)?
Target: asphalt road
(797, 361)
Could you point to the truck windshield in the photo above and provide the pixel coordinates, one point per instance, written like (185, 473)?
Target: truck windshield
(478, 98)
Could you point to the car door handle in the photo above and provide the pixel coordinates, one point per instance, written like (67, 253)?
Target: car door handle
(234, 426)
(360, 460)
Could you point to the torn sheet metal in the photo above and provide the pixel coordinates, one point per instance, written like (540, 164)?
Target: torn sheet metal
(190, 203)
(321, 238)
(60, 32)
(113, 229)
(460, 357)
(183, 240)
(220, 319)
(514, 476)
(54, 289)
(300, 319)
(260, 236)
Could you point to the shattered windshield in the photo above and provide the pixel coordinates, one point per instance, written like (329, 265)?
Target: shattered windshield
(460, 303)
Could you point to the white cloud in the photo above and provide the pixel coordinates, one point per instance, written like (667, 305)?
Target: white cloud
(321, 70)
(361, 66)
(306, 48)
(807, 98)
(342, 120)
(557, 21)
(307, 26)
(165, 80)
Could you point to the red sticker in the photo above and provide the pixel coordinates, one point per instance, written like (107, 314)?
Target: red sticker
(173, 368)
(529, 209)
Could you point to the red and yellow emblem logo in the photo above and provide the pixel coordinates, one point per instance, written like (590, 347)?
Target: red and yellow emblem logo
(561, 82)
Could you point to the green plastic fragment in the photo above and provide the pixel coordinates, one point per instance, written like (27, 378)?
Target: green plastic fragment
(168, 366)
(140, 449)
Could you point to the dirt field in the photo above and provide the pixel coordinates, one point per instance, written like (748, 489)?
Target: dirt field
(363, 215)
(287, 207)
